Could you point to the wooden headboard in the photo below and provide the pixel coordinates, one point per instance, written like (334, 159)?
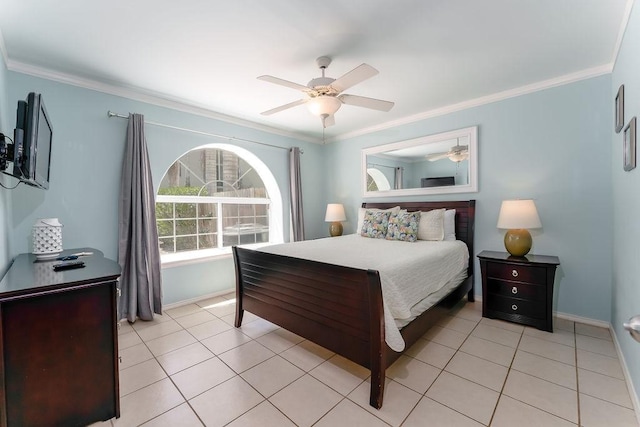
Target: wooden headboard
(465, 218)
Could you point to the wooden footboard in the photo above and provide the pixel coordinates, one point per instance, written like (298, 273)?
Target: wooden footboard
(337, 307)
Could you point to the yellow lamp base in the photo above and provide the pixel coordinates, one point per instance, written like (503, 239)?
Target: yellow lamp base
(335, 229)
(518, 242)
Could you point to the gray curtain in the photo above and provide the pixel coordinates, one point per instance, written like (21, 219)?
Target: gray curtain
(398, 178)
(295, 189)
(138, 251)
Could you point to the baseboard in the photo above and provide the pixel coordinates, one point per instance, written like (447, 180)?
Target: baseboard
(196, 299)
(625, 371)
(585, 320)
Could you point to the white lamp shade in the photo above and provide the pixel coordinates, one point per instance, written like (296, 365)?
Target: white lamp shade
(516, 214)
(335, 212)
(324, 105)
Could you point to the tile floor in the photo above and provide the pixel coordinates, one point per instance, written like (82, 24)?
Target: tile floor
(191, 367)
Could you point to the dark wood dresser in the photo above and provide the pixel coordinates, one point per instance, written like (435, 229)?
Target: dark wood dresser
(58, 343)
(518, 289)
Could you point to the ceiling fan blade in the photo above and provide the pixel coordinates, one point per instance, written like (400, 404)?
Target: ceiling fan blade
(282, 82)
(359, 74)
(437, 156)
(284, 107)
(361, 101)
(328, 121)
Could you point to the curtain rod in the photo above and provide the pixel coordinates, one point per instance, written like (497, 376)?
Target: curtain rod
(233, 138)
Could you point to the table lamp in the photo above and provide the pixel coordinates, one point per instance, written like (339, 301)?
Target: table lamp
(335, 214)
(517, 216)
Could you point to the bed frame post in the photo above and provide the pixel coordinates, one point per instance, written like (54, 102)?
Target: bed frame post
(239, 309)
(378, 344)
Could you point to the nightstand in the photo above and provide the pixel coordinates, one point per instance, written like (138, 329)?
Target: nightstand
(518, 289)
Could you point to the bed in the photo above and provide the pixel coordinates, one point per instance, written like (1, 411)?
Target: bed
(341, 308)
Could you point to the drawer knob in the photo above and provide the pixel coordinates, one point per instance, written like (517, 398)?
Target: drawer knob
(514, 307)
(514, 290)
(514, 273)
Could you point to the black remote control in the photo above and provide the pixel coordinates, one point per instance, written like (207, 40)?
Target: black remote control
(68, 265)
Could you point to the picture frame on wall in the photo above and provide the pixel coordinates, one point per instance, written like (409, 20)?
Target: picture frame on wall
(620, 109)
(630, 145)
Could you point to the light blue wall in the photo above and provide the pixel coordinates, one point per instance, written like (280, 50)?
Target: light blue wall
(552, 146)
(85, 174)
(626, 200)
(6, 127)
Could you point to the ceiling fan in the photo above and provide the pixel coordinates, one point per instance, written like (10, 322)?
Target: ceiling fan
(324, 94)
(457, 153)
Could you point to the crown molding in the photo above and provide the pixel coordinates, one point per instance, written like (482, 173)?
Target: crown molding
(621, 31)
(500, 96)
(3, 50)
(148, 97)
(184, 106)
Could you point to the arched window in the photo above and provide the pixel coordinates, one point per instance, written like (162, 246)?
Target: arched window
(215, 197)
(376, 181)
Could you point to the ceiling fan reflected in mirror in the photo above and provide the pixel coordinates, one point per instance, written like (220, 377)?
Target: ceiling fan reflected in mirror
(324, 94)
(457, 153)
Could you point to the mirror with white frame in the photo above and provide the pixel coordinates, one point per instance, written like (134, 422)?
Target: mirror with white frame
(436, 164)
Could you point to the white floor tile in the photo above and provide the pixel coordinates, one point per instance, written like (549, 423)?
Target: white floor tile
(549, 397)
(497, 335)
(225, 402)
(183, 310)
(246, 356)
(558, 336)
(593, 331)
(550, 350)
(128, 339)
(413, 373)
(546, 369)
(225, 341)
(598, 363)
(596, 345)
(142, 324)
(263, 415)
(431, 352)
(305, 401)
(605, 388)
(140, 376)
(224, 308)
(170, 342)
(458, 324)
(397, 403)
(445, 336)
(497, 323)
(272, 375)
(209, 329)
(478, 401)
(279, 340)
(133, 355)
(257, 328)
(147, 403)
(480, 371)
(159, 330)
(194, 319)
(347, 413)
(597, 413)
(181, 416)
(201, 377)
(340, 374)
(431, 412)
(184, 358)
(489, 350)
(564, 324)
(211, 302)
(511, 412)
(306, 355)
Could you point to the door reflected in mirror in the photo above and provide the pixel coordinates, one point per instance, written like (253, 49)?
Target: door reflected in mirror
(434, 164)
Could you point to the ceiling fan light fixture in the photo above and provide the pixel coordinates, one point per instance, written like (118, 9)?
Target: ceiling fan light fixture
(458, 157)
(324, 105)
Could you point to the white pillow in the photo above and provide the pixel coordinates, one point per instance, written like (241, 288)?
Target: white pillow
(431, 225)
(450, 224)
(393, 210)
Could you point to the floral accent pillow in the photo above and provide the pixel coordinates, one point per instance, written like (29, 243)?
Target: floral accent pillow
(375, 224)
(403, 226)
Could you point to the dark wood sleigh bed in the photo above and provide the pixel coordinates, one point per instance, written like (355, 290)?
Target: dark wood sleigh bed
(340, 308)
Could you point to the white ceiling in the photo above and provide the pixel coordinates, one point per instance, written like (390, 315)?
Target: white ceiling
(433, 55)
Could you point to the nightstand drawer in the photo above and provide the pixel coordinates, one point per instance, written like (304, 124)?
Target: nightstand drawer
(521, 273)
(512, 289)
(516, 306)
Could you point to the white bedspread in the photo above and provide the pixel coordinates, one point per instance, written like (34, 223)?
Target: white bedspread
(409, 272)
